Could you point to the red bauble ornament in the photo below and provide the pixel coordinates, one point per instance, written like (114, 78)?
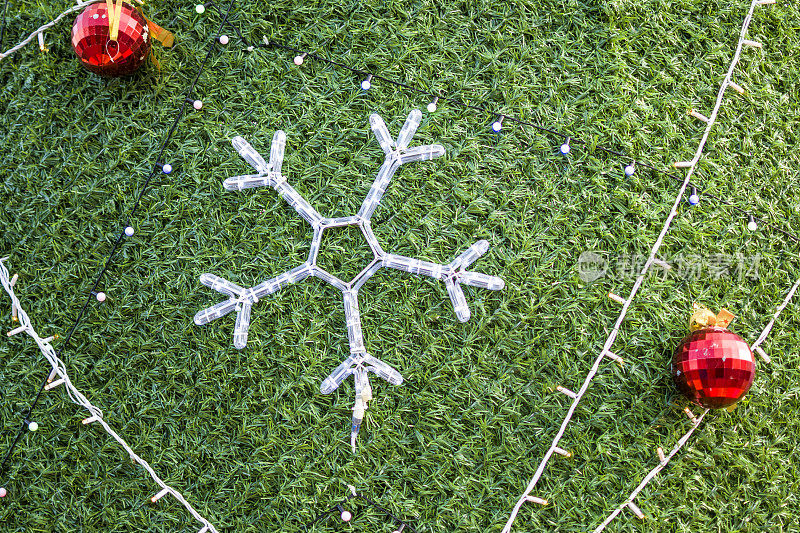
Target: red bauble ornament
(713, 367)
(101, 55)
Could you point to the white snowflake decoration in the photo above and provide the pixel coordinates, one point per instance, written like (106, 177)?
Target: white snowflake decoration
(359, 362)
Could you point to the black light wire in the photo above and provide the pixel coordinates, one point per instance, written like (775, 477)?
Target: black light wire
(484, 109)
(156, 167)
(336, 508)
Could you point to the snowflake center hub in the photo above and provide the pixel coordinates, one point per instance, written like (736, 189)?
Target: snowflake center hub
(345, 250)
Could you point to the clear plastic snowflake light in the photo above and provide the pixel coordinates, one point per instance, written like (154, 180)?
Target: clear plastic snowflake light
(359, 363)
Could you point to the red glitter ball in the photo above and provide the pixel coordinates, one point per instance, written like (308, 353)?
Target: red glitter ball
(90, 39)
(713, 367)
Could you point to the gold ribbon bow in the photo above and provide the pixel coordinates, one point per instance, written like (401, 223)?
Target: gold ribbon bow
(703, 317)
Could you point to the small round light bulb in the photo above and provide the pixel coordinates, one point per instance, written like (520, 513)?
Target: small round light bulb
(347, 516)
(630, 170)
(431, 108)
(197, 104)
(497, 126)
(752, 225)
(200, 9)
(3, 492)
(167, 168)
(129, 231)
(101, 297)
(694, 199)
(298, 60)
(223, 39)
(366, 85)
(33, 426)
(564, 149)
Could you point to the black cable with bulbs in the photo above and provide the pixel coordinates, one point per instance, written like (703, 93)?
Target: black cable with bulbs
(128, 231)
(497, 125)
(347, 516)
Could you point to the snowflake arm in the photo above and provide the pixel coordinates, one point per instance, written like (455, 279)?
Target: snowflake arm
(381, 132)
(481, 280)
(294, 199)
(356, 363)
(269, 175)
(352, 317)
(458, 299)
(382, 370)
(214, 312)
(469, 256)
(415, 266)
(242, 325)
(252, 156)
(389, 167)
(241, 300)
(453, 274)
(359, 358)
(397, 153)
(278, 282)
(421, 153)
(409, 129)
(221, 285)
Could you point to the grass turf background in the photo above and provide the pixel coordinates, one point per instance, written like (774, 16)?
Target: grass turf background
(245, 435)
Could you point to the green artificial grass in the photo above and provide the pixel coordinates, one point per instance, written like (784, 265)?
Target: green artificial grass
(245, 435)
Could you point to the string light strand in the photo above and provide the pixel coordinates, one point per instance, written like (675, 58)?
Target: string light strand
(80, 5)
(768, 329)
(653, 473)
(96, 415)
(500, 117)
(606, 349)
(663, 461)
(109, 258)
(346, 515)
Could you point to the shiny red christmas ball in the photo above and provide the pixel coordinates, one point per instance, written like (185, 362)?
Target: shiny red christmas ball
(713, 367)
(98, 53)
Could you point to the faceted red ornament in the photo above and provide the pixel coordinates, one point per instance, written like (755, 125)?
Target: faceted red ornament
(713, 367)
(101, 55)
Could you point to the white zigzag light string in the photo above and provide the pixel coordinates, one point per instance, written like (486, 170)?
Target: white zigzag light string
(606, 350)
(629, 501)
(80, 5)
(60, 370)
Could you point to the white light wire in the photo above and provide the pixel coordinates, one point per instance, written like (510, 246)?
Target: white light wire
(80, 5)
(688, 434)
(77, 397)
(781, 307)
(640, 279)
(652, 473)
